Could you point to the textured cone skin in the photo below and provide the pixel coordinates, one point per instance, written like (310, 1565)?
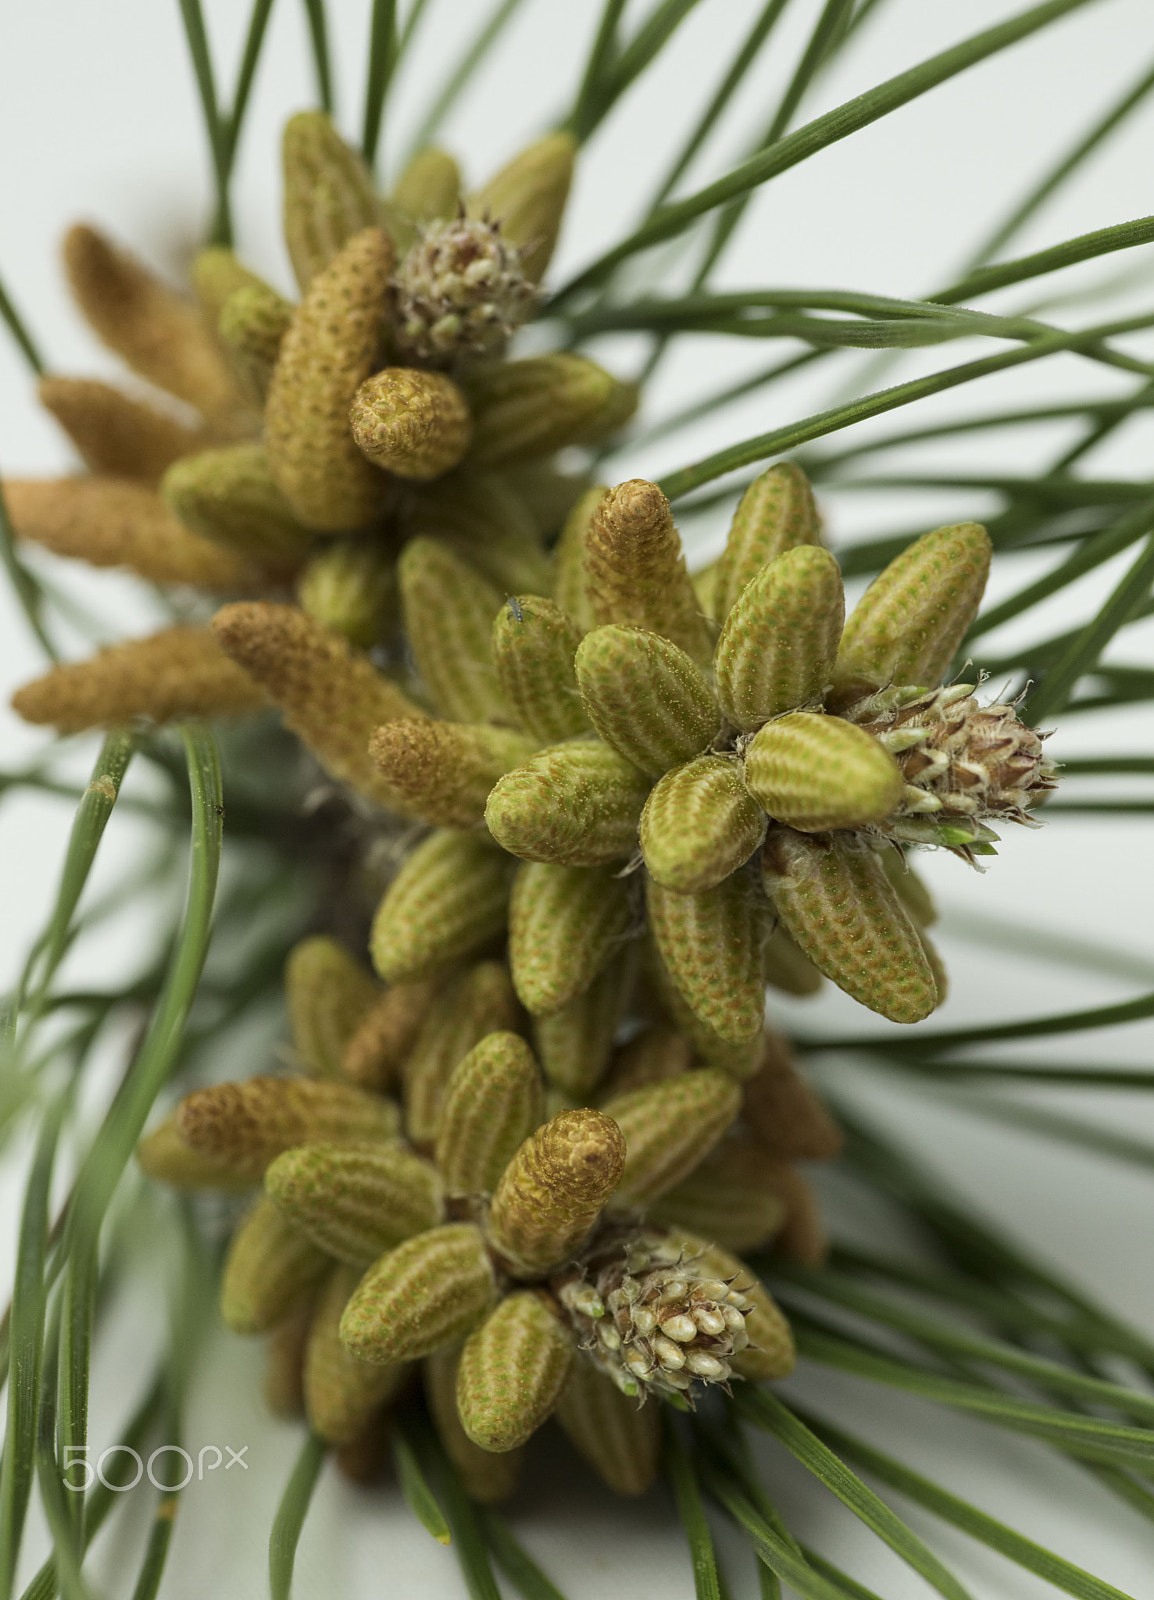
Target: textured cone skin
(619, 1439)
(534, 643)
(450, 898)
(668, 1128)
(326, 354)
(575, 804)
(229, 496)
(700, 823)
(487, 1478)
(814, 772)
(838, 905)
(526, 409)
(739, 1059)
(574, 1043)
(551, 1192)
(253, 321)
(564, 925)
(527, 197)
(246, 1125)
(645, 697)
(730, 1197)
(282, 1387)
(909, 888)
(328, 193)
(779, 643)
(327, 993)
(356, 1201)
(164, 1155)
(657, 1053)
(182, 672)
(785, 1115)
(429, 188)
(709, 945)
(482, 519)
(786, 967)
(117, 522)
(331, 696)
(493, 1101)
(158, 333)
(635, 570)
(341, 1393)
(270, 1265)
(444, 771)
(349, 586)
(512, 1370)
(426, 1293)
(570, 586)
(114, 433)
(379, 1047)
(448, 613)
(482, 1002)
(770, 1352)
(909, 623)
(777, 513)
(412, 423)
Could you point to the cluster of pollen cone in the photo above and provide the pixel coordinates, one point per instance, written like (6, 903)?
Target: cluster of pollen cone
(521, 1159)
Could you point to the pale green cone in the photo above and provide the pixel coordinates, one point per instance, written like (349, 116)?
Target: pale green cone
(327, 993)
(575, 1042)
(412, 423)
(448, 613)
(839, 906)
(487, 1478)
(512, 1370)
(908, 886)
(218, 272)
(429, 189)
(708, 942)
(740, 1059)
(705, 587)
(770, 1352)
(356, 1201)
(443, 771)
(482, 519)
(620, 1439)
(493, 1101)
(635, 570)
(726, 1198)
(656, 1053)
(480, 1002)
(776, 513)
(937, 966)
(449, 898)
(527, 197)
(551, 1193)
(669, 1128)
(534, 643)
(784, 1114)
(229, 496)
(341, 1393)
(428, 1292)
(380, 1046)
(699, 824)
(646, 697)
(814, 772)
(779, 643)
(785, 966)
(565, 923)
(907, 627)
(349, 586)
(328, 193)
(165, 1156)
(252, 323)
(576, 804)
(526, 409)
(570, 586)
(270, 1265)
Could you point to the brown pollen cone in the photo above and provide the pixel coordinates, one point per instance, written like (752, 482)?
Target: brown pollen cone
(552, 1191)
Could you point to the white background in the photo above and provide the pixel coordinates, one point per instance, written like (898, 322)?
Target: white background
(99, 121)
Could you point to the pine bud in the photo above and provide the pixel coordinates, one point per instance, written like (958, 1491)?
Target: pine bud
(779, 643)
(552, 1191)
(814, 772)
(356, 1201)
(770, 1352)
(450, 898)
(619, 1439)
(777, 513)
(700, 824)
(493, 1101)
(487, 1478)
(114, 433)
(527, 197)
(646, 697)
(729, 1197)
(669, 1128)
(531, 408)
(423, 1295)
(448, 612)
(270, 1266)
(785, 966)
(349, 587)
(564, 925)
(229, 496)
(512, 1370)
(534, 643)
(461, 292)
(341, 1393)
(328, 193)
(443, 771)
(411, 423)
(164, 1155)
(327, 992)
(479, 1003)
(575, 804)
(651, 1056)
(575, 1042)
(252, 326)
(787, 1117)
(570, 586)
(708, 942)
(380, 1045)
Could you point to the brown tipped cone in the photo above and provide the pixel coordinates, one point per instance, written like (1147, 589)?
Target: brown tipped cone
(908, 625)
(526, 409)
(229, 496)
(777, 513)
(487, 1478)
(379, 1046)
(700, 823)
(835, 900)
(327, 993)
(770, 1352)
(253, 323)
(493, 1101)
(527, 198)
(246, 1125)
(620, 1439)
(116, 522)
(739, 1059)
(564, 925)
(708, 942)
(651, 1056)
(449, 899)
(552, 1191)
(282, 1387)
(786, 1116)
(328, 193)
(635, 570)
(427, 1293)
(779, 643)
(164, 1155)
(729, 1197)
(479, 1003)
(443, 771)
(341, 1393)
(159, 333)
(356, 1201)
(448, 612)
(785, 966)
(330, 695)
(575, 804)
(349, 586)
(429, 189)
(411, 423)
(574, 1044)
(669, 1128)
(909, 888)
(327, 352)
(512, 1370)
(181, 672)
(481, 518)
(115, 433)
(534, 643)
(646, 697)
(270, 1265)
(570, 585)
(814, 772)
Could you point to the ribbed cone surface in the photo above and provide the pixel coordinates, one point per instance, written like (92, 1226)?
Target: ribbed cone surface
(552, 1191)
(512, 1370)
(487, 1478)
(216, 273)
(115, 433)
(740, 1058)
(909, 887)
(700, 823)
(327, 993)
(448, 613)
(341, 1393)
(270, 1265)
(427, 1293)
(656, 1053)
(534, 643)
(478, 1003)
(814, 772)
(645, 697)
(412, 423)
(379, 1046)
(229, 496)
(282, 1386)
(328, 193)
(726, 1198)
(527, 197)
(493, 1101)
(253, 322)
(619, 1439)
(165, 1156)
(777, 513)
(575, 804)
(450, 898)
(443, 771)
(565, 923)
(574, 1043)
(785, 966)
(248, 1124)
(523, 410)
(669, 1128)
(349, 585)
(482, 518)
(570, 585)
(429, 187)
(356, 1201)
(708, 942)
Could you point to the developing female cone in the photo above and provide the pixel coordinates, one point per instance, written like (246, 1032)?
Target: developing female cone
(461, 291)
